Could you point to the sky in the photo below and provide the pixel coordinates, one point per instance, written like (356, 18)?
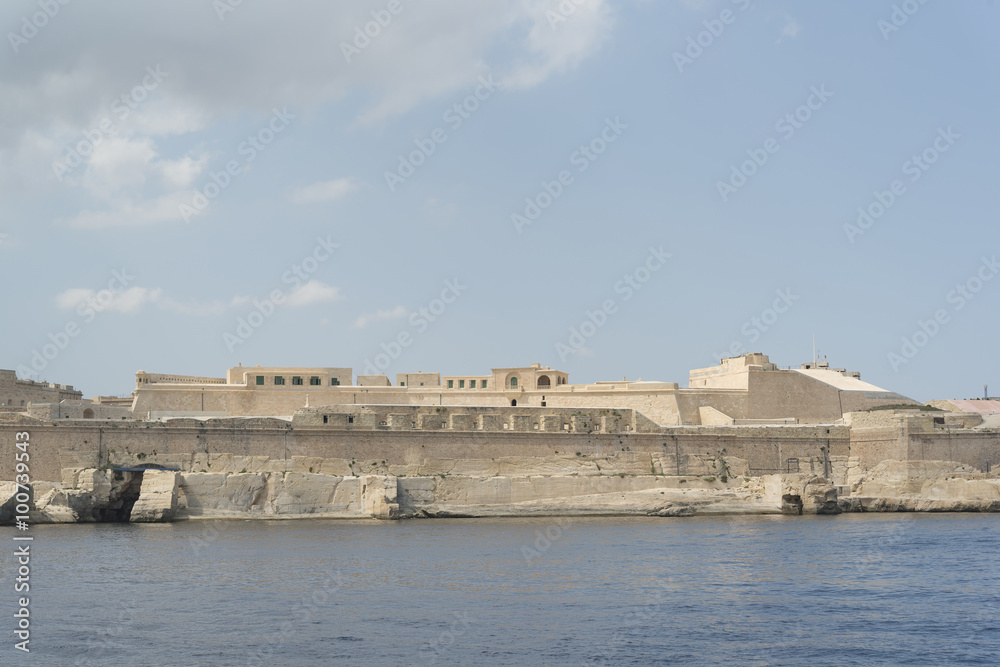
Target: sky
(611, 188)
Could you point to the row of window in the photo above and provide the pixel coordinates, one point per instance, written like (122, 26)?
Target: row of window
(461, 384)
(10, 402)
(314, 381)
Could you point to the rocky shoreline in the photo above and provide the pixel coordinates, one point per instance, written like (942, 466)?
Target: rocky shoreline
(152, 495)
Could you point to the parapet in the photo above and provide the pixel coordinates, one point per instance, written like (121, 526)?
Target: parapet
(451, 418)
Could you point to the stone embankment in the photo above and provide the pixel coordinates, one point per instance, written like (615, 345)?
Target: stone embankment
(89, 494)
(924, 486)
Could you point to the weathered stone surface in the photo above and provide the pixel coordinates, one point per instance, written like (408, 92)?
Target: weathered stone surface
(274, 491)
(157, 497)
(925, 486)
(379, 496)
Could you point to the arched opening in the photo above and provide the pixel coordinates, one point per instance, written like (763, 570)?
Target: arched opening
(88, 414)
(513, 402)
(544, 382)
(513, 382)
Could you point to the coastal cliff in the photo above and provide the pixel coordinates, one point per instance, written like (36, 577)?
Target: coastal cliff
(89, 495)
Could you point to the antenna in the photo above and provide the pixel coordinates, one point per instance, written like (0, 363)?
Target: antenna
(815, 358)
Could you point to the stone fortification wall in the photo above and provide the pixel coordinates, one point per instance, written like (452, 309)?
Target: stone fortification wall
(193, 445)
(909, 435)
(776, 394)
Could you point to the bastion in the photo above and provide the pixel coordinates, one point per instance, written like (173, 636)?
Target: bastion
(745, 436)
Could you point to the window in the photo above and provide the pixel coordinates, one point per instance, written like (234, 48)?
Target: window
(326, 419)
(334, 382)
(461, 384)
(260, 380)
(451, 384)
(484, 384)
(315, 381)
(350, 420)
(402, 384)
(296, 380)
(513, 382)
(279, 380)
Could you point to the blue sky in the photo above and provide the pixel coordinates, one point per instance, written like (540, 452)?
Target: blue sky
(613, 189)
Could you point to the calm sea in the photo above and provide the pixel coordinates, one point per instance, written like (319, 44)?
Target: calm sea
(900, 589)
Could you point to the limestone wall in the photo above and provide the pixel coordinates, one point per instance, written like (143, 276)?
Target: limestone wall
(971, 447)
(189, 444)
(777, 394)
(886, 435)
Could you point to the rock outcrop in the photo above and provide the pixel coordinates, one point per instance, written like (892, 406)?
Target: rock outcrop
(157, 497)
(924, 486)
(268, 491)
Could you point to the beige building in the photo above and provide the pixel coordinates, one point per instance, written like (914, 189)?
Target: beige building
(744, 389)
(16, 395)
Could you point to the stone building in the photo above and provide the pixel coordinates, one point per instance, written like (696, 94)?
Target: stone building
(16, 395)
(743, 389)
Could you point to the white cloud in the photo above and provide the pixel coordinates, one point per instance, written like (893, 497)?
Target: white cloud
(132, 299)
(181, 173)
(125, 212)
(118, 163)
(312, 292)
(129, 300)
(263, 56)
(554, 47)
(380, 316)
(323, 191)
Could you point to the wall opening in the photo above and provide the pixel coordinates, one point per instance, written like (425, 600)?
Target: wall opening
(125, 488)
(513, 402)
